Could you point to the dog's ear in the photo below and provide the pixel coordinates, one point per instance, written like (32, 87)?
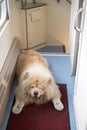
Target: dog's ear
(26, 75)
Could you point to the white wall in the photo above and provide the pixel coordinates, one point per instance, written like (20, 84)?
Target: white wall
(13, 28)
(58, 19)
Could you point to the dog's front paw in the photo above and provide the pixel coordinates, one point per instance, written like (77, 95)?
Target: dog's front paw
(58, 105)
(16, 110)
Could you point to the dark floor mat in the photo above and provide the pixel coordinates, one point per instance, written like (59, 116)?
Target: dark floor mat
(56, 49)
(42, 117)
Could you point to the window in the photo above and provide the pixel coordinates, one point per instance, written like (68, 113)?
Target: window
(3, 13)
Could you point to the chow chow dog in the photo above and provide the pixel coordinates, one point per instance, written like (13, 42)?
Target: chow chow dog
(35, 82)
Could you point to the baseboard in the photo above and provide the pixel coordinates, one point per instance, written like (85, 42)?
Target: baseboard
(7, 75)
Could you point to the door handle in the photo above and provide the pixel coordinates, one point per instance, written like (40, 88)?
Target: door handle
(1, 1)
(76, 20)
(30, 15)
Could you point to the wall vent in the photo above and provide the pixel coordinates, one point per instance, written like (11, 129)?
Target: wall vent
(2, 89)
(7, 75)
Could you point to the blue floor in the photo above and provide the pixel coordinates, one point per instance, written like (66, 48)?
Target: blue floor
(61, 69)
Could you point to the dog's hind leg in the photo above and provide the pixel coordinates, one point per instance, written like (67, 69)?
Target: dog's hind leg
(17, 108)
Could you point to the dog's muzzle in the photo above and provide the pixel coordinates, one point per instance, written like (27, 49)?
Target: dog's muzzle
(36, 94)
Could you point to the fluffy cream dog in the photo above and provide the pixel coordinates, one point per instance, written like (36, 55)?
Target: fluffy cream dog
(36, 83)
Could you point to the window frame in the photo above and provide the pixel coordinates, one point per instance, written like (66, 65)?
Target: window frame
(4, 13)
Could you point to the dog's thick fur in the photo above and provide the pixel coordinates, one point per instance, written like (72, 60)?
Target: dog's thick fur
(36, 83)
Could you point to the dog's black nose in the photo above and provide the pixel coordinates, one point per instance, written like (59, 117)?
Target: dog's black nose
(35, 93)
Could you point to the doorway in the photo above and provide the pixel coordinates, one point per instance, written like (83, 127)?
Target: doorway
(58, 24)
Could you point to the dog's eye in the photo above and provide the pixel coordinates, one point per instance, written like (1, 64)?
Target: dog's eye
(32, 86)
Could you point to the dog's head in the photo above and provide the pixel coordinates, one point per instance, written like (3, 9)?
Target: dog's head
(37, 86)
